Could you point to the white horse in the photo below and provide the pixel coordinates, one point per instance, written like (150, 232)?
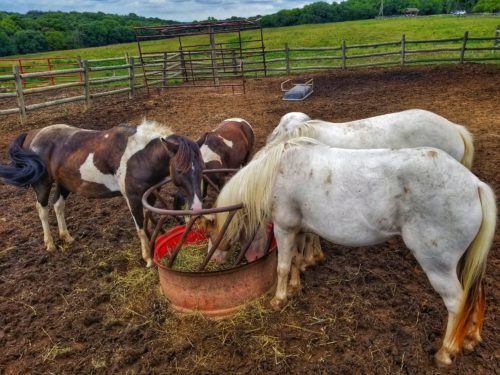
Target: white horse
(445, 215)
(406, 129)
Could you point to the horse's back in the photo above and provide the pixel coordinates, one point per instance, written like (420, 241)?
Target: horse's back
(238, 135)
(372, 195)
(406, 129)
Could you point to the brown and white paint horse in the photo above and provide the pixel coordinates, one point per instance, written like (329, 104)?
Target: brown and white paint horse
(124, 160)
(229, 145)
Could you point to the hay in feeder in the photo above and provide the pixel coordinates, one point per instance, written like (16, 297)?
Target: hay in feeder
(191, 256)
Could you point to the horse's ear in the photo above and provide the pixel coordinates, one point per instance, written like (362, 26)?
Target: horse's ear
(202, 139)
(172, 144)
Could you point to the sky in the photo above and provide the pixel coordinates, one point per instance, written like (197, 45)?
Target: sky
(179, 10)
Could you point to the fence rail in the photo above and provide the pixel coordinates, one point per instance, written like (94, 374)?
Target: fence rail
(117, 72)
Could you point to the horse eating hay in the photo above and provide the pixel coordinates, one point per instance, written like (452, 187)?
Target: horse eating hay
(229, 145)
(406, 129)
(124, 160)
(445, 215)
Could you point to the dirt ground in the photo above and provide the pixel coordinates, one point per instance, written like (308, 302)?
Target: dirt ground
(93, 308)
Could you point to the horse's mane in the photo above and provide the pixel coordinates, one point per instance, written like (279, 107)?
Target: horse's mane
(153, 129)
(253, 186)
(186, 153)
(304, 130)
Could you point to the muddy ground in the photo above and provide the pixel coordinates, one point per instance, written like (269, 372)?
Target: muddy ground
(93, 308)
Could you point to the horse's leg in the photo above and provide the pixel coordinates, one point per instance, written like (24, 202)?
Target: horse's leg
(312, 252)
(285, 242)
(473, 336)
(297, 262)
(135, 205)
(59, 205)
(319, 256)
(308, 252)
(440, 266)
(42, 191)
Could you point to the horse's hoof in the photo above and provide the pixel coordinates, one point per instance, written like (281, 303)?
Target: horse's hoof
(51, 247)
(293, 291)
(67, 239)
(469, 345)
(149, 263)
(320, 259)
(471, 341)
(277, 304)
(443, 358)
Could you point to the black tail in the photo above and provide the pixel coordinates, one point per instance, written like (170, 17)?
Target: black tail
(25, 168)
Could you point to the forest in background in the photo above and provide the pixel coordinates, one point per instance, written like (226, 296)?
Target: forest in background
(38, 31)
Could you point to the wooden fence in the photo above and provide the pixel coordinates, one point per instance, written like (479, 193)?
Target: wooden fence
(125, 74)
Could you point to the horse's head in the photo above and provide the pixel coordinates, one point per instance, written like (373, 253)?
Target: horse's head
(186, 167)
(288, 123)
(257, 248)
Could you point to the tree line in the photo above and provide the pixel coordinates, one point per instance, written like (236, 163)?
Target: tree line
(38, 31)
(50, 31)
(348, 10)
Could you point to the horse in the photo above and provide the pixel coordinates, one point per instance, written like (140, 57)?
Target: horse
(124, 160)
(406, 129)
(445, 215)
(229, 145)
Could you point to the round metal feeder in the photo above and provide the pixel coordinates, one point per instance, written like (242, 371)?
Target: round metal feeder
(213, 293)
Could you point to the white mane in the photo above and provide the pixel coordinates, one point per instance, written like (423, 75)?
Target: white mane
(149, 129)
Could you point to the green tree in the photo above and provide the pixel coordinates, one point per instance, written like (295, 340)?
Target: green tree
(9, 26)
(487, 6)
(7, 46)
(28, 41)
(58, 40)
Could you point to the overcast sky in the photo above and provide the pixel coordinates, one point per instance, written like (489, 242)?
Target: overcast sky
(180, 10)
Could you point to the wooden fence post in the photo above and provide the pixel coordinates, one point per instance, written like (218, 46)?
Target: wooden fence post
(287, 58)
(165, 57)
(344, 57)
(19, 92)
(403, 46)
(233, 61)
(462, 51)
(131, 74)
(86, 81)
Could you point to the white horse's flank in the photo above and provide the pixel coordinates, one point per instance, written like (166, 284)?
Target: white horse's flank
(406, 129)
(363, 197)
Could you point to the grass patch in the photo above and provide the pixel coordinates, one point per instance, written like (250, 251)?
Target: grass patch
(131, 291)
(317, 35)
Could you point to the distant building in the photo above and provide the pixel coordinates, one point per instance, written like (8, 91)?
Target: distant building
(410, 11)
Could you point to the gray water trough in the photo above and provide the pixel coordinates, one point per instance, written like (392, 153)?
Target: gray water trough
(296, 91)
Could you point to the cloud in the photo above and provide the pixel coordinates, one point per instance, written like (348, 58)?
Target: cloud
(181, 10)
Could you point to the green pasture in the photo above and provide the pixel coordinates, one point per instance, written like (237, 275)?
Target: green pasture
(321, 35)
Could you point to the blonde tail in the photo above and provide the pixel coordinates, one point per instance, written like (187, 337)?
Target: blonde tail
(474, 267)
(468, 146)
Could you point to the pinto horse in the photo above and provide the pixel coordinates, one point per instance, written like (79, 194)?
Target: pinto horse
(406, 129)
(229, 145)
(445, 215)
(125, 160)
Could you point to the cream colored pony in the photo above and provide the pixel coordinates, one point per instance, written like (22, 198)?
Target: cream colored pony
(406, 129)
(445, 215)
